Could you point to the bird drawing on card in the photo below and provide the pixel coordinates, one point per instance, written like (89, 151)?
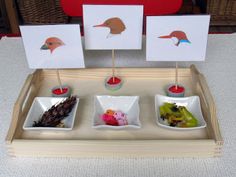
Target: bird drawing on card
(52, 43)
(115, 24)
(177, 37)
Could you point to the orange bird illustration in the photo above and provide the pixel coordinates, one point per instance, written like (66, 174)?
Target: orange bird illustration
(115, 24)
(52, 43)
(177, 37)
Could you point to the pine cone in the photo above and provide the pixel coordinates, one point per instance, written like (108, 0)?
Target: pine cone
(54, 116)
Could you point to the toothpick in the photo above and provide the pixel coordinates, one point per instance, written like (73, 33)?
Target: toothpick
(113, 65)
(176, 75)
(59, 80)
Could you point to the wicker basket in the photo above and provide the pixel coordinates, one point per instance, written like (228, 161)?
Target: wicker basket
(41, 12)
(223, 12)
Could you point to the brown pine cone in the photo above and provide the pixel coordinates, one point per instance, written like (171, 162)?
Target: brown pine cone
(54, 116)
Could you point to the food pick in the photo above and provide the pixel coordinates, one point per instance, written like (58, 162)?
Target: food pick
(113, 82)
(59, 80)
(60, 90)
(175, 90)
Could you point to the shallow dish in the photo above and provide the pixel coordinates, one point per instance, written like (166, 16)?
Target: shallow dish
(42, 104)
(127, 104)
(192, 103)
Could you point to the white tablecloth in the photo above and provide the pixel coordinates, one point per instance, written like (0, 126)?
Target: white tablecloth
(219, 69)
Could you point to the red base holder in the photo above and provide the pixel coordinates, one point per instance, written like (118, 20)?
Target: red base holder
(56, 91)
(113, 84)
(172, 91)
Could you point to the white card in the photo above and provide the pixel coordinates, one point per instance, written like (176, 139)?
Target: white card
(113, 26)
(53, 46)
(177, 38)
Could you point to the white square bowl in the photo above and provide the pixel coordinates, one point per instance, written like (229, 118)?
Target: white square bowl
(192, 103)
(127, 104)
(42, 104)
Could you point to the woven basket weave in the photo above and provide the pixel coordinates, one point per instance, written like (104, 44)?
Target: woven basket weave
(222, 11)
(41, 11)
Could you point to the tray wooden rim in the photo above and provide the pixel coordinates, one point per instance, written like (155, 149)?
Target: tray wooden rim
(197, 77)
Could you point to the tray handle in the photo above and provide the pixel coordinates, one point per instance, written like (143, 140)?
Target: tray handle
(23, 102)
(209, 100)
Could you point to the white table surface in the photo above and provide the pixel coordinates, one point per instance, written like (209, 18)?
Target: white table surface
(219, 70)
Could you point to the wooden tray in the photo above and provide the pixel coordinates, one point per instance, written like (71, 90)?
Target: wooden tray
(84, 141)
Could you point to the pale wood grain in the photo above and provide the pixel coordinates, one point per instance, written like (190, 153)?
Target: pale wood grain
(83, 141)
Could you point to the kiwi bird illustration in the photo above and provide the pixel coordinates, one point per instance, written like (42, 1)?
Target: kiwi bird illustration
(115, 24)
(52, 43)
(177, 37)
